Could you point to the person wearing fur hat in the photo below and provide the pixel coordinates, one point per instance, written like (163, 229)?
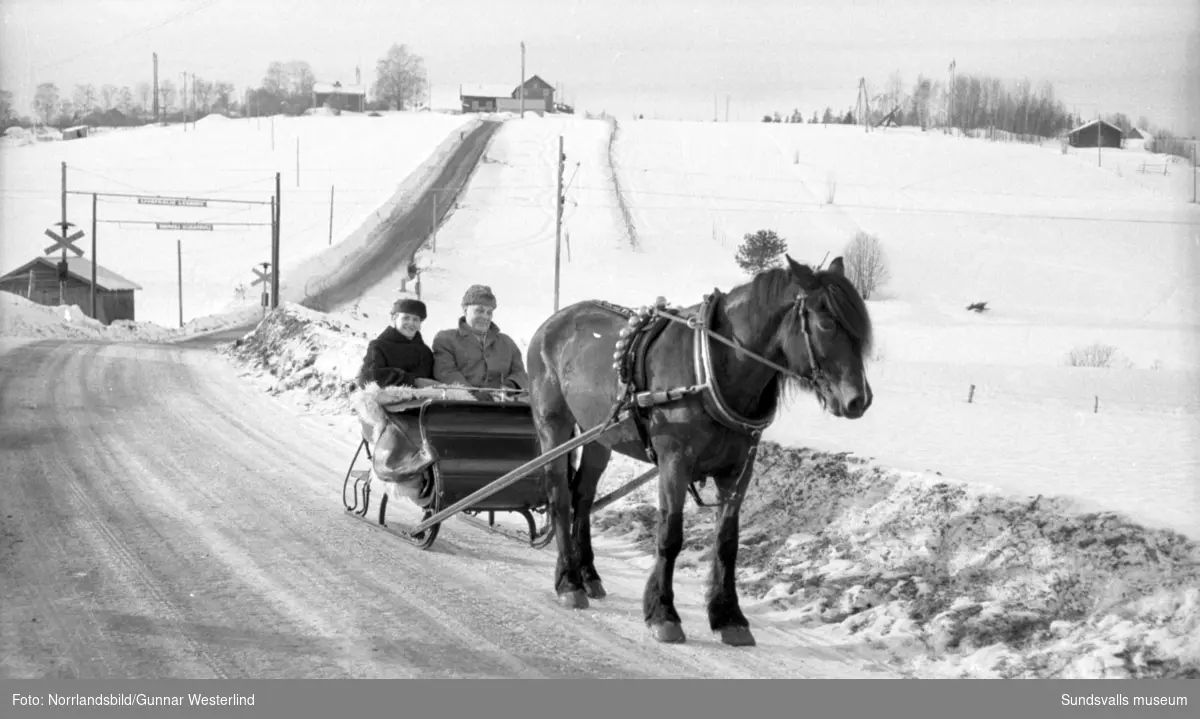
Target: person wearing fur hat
(477, 353)
(399, 356)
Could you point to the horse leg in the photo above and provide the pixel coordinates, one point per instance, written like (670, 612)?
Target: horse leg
(658, 601)
(553, 430)
(724, 614)
(583, 492)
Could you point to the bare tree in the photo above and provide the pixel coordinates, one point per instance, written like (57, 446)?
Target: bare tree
(108, 96)
(144, 92)
(400, 77)
(866, 266)
(46, 102)
(7, 115)
(124, 101)
(84, 98)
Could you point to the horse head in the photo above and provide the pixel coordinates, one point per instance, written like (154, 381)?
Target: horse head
(825, 336)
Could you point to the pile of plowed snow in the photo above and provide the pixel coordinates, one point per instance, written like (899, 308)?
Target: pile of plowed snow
(308, 354)
(20, 317)
(951, 579)
(947, 579)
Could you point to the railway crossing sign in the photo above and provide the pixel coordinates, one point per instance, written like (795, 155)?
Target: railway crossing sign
(260, 274)
(64, 244)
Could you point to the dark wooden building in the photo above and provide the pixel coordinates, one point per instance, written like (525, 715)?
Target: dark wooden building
(539, 97)
(340, 97)
(1096, 133)
(37, 281)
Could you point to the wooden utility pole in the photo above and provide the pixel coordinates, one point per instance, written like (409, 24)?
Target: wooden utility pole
(61, 281)
(950, 97)
(558, 207)
(277, 203)
(331, 214)
(179, 266)
(522, 79)
(155, 55)
(183, 101)
(433, 228)
(94, 257)
(726, 108)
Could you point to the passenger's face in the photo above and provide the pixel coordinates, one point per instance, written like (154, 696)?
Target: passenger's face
(408, 325)
(479, 317)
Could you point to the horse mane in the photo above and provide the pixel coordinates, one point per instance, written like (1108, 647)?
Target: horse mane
(836, 294)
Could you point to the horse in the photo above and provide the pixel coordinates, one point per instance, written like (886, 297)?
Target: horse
(695, 408)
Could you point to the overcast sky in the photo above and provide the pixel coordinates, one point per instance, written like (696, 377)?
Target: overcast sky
(663, 58)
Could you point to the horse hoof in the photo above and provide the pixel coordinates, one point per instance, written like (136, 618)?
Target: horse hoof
(574, 600)
(595, 589)
(668, 633)
(737, 636)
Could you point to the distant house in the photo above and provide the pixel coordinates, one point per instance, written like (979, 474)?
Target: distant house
(340, 97)
(1096, 133)
(37, 281)
(539, 97)
(72, 133)
(1137, 133)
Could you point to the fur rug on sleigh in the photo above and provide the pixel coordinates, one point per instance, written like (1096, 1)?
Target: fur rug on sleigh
(372, 401)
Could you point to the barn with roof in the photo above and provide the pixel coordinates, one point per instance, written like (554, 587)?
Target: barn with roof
(38, 281)
(339, 96)
(1096, 133)
(539, 97)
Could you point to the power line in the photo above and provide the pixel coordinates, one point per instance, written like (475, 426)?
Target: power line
(203, 6)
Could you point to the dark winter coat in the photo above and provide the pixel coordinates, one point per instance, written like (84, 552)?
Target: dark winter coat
(461, 356)
(393, 359)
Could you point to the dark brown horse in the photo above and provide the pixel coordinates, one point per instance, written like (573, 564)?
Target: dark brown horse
(703, 406)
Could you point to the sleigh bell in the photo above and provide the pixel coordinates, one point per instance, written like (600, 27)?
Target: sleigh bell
(625, 332)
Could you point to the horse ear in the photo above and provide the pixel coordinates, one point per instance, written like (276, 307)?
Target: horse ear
(803, 273)
(837, 268)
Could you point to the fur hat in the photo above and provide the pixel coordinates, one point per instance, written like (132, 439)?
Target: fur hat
(479, 295)
(409, 306)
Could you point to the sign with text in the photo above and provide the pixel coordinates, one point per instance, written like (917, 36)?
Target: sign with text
(183, 225)
(172, 201)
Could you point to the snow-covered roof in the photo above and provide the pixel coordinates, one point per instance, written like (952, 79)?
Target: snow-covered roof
(1093, 122)
(494, 90)
(327, 87)
(81, 269)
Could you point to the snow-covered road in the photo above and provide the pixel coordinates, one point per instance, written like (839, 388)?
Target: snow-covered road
(162, 518)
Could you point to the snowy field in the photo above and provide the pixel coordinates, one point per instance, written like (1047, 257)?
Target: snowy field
(1065, 253)
(363, 159)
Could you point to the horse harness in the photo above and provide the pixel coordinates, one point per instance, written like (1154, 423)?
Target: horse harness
(646, 325)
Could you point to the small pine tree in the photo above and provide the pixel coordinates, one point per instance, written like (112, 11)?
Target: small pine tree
(760, 251)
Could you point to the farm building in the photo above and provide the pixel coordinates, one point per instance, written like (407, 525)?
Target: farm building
(1096, 133)
(539, 97)
(1137, 133)
(37, 281)
(339, 96)
(73, 133)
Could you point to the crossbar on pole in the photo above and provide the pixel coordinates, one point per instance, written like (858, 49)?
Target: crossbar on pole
(166, 197)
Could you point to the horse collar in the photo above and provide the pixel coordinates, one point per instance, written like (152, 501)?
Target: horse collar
(705, 376)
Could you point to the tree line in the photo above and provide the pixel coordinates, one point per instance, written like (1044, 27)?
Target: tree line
(972, 102)
(287, 87)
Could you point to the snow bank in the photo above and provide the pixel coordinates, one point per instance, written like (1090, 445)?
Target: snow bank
(948, 578)
(300, 351)
(20, 317)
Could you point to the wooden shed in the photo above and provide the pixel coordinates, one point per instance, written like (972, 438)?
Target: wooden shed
(1096, 133)
(37, 281)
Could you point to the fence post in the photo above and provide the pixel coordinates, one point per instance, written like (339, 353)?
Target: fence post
(971, 395)
(1096, 405)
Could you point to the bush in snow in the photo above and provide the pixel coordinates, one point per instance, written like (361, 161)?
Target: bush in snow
(1093, 355)
(866, 265)
(760, 251)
